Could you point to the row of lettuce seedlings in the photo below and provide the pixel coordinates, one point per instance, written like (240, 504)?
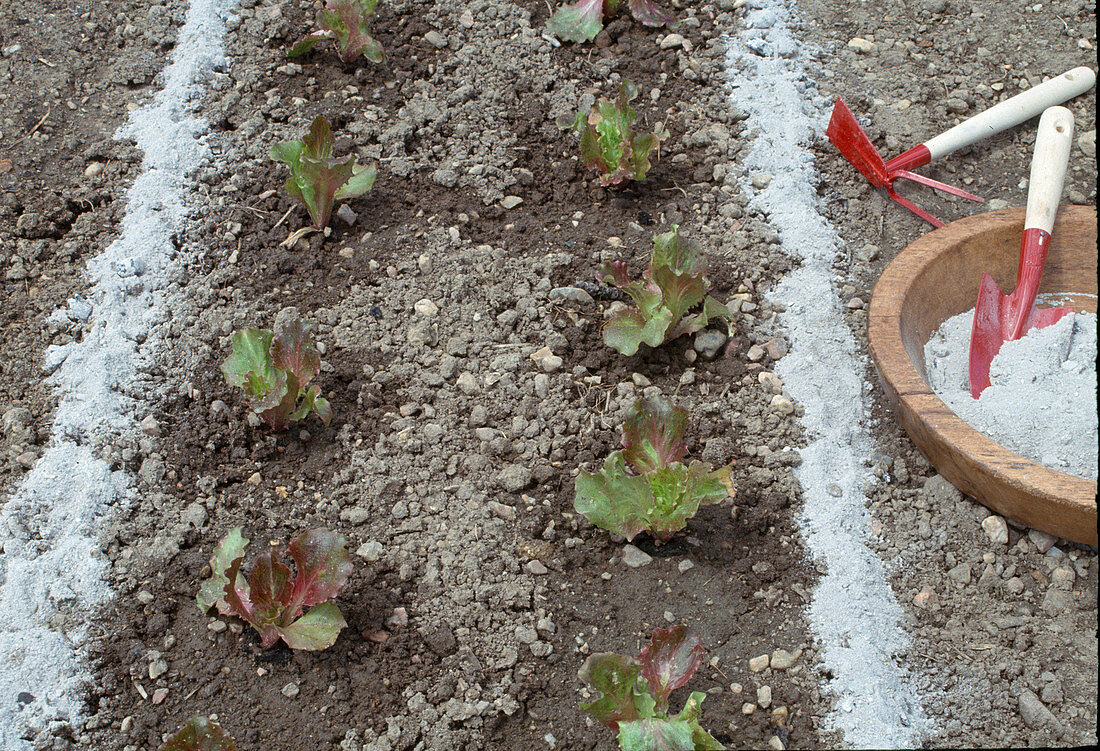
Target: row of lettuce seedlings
(644, 487)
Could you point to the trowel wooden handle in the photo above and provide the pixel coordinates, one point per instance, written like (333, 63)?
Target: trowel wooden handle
(1048, 168)
(1012, 111)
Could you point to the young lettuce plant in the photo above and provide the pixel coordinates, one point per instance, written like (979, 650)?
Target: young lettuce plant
(659, 493)
(583, 20)
(346, 23)
(317, 179)
(200, 734)
(608, 143)
(271, 599)
(274, 368)
(634, 693)
(674, 283)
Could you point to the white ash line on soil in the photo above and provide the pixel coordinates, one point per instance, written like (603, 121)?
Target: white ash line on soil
(854, 613)
(51, 577)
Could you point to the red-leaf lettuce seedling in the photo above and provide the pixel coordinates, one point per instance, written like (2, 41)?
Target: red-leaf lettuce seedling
(200, 734)
(674, 283)
(271, 599)
(608, 143)
(346, 23)
(274, 368)
(663, 492)
(317, 179)
(634, 693)
(583, 20)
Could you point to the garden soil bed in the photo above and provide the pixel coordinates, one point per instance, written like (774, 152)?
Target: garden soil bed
(451, 458)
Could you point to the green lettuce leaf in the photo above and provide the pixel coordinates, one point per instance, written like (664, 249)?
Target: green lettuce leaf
(347, 23)
(317, 179)
(272, 597)
(664, 493)
(673, 284)
(200, 734)
(212, 591)
(615, 677)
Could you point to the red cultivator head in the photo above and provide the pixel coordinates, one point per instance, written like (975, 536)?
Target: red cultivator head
(853, 143)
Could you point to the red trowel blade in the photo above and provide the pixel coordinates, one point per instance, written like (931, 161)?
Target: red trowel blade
(853, 143)
(997, 319)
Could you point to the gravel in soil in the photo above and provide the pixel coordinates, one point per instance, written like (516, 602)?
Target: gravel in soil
(451, 459)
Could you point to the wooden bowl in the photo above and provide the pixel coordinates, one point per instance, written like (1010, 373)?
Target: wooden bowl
(937, 277)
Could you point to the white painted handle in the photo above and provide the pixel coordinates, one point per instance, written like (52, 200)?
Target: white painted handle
(1048, 168)
(1014, 111)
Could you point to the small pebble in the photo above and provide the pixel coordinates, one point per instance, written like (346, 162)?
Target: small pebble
(861, 45)
(925, 599)
(759, 664)
(672, 41)
(764, 696)
(290, 690)
(782, 404)
(425, 307)
(1042, 540)
(781, 659)
(536, 568)
(399, 619)
(996, 529)
(371, 550)
(346, 215)
(635, 557)
(684, 566)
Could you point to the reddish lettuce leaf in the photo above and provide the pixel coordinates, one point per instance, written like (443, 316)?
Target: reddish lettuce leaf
(583, 20)
(274, 367)
(323, 567)
(200, 734)
(274, 597)
(663, 492)
(629, 703)
(673, 284)
(646, 12)
(608, 143)
(669, 660)
(347, 23)
(317, 179)
(653, 434)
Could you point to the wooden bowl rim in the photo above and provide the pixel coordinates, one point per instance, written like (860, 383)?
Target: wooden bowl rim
(899, 374)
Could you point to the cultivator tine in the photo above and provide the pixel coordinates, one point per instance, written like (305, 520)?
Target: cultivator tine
(936, 184)
(914, 208)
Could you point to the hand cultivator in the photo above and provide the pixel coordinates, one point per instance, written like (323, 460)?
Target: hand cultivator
(853, 143)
